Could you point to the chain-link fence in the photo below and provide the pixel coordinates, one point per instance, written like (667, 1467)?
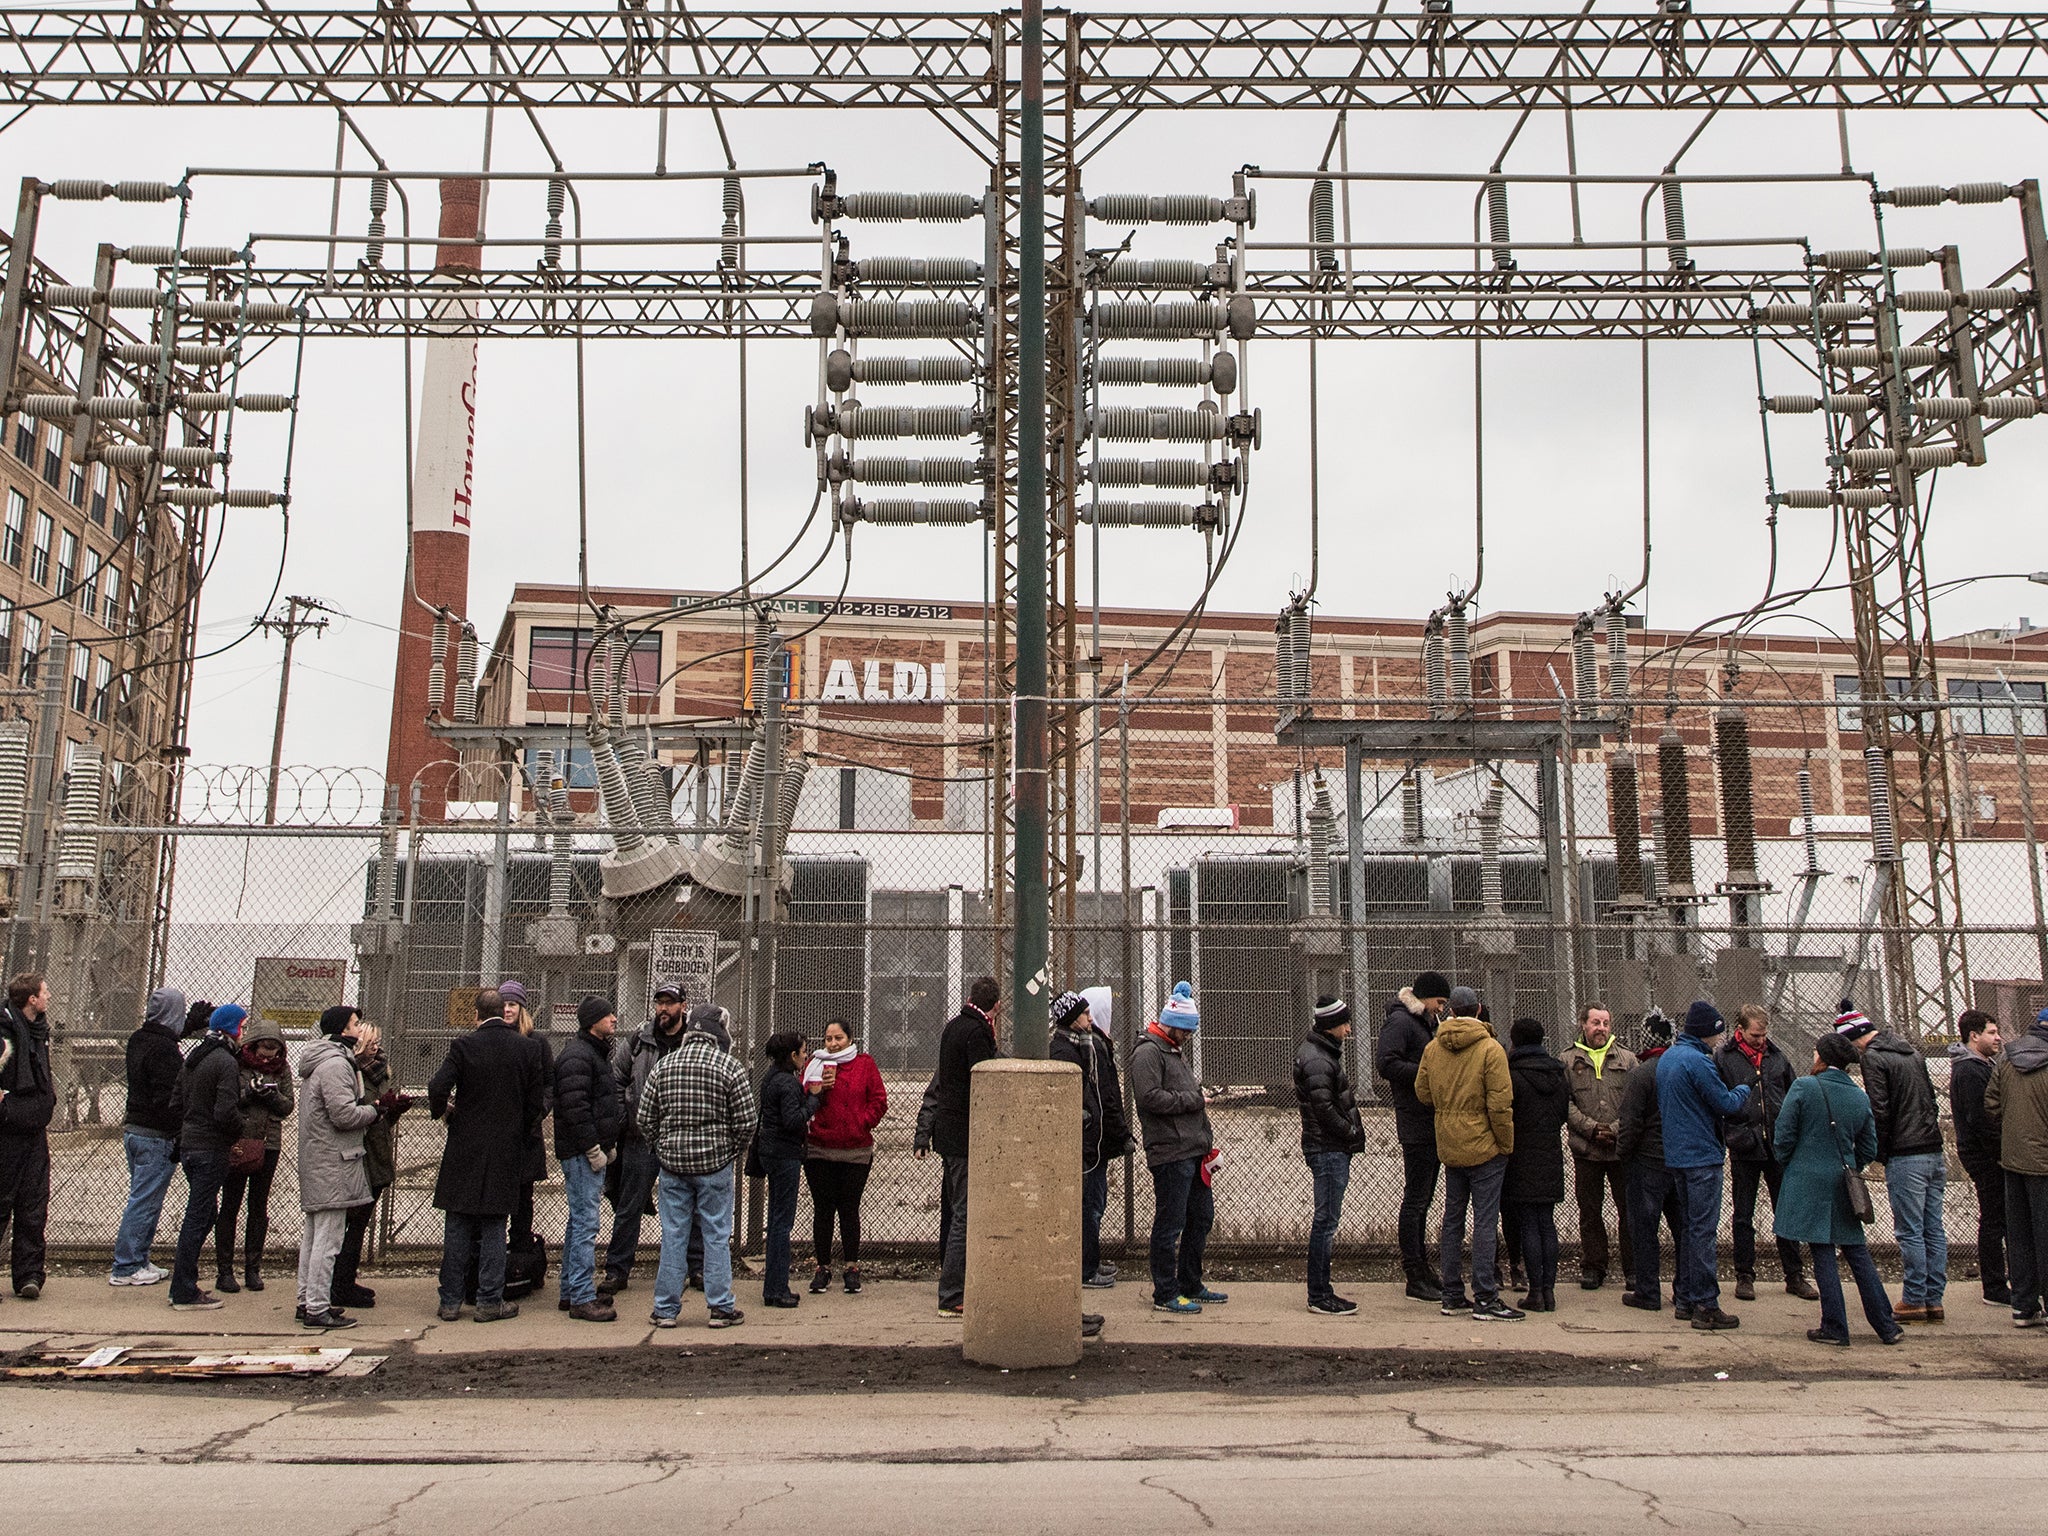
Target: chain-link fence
(1263, 873)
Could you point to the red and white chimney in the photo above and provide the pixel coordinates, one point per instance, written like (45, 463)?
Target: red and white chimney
(442, 477)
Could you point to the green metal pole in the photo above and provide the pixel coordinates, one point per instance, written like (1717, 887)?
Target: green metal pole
(1029, 982)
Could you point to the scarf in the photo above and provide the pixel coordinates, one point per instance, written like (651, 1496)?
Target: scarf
(1756, 1057)
(1598, 1055)
(985, 1018)
(249, 1058)
(814, 1070)
(1163, 1037)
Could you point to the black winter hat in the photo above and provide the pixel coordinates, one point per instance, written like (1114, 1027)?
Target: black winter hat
(1332, 1013)
(1431, 984)
(593, 1011)
(338, 1018)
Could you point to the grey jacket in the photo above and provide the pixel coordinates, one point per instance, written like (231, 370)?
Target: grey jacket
(1171, 1110)
(332, 1120)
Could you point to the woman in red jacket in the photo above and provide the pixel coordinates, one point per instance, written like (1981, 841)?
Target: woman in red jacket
(841, 1149)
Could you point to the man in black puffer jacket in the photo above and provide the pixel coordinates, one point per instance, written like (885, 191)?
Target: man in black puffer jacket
(1639, 1140)
(1331, 1135)
(1410, 1026)
(590, 1112)
(28, 1102)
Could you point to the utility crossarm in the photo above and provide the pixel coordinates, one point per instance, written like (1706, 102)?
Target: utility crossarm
(636, 55)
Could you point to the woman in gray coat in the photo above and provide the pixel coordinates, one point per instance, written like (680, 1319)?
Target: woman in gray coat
(332, 1119)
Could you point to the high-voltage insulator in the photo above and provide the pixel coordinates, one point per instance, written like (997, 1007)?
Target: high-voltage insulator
(1861, 496)
(1491, 892)
(2009, 407)
(1298, 644)
(386, 885)
(905, 207)
(72, 190)
(1867, 461)
(890, 470)
(145, 354)
(1871, 357)
(1497, 224)
(1145, 514)
(1283, 659)
(1173, 208)
(1585, 660)
(1170, 320)
(1894, 256)
(1411, 806)
(1322, 826)
(788, 795)
(551, 238)
(14, 752)
(904, 513)
(1930, 197)
(1219, 371)
(1674, 225)
(1806, 405)
(742, 800)
(1186, 474)
(214, 400)
(1738, 800)
(1675, 793)
(465, 675)
(98, 407)
(437, 669)
(380, 200)
(1458, 639)
(1884, 835)
(919, 271)
(923, 421)
(1935, 300)
(141, 456)
(1617, 653)
(1157, 423)
(1827, 313)
(190, 256)
(766, 662)
(235, 312)
(843, 370)
(613, 790)
(1322, 223)
(894, 317)
(203, 496)
(1942, 407)
(1435, 672)
(1806, 827)
(1625, 819)
(551, 807)
(78, 845)
(1155, 272)
(644, 783)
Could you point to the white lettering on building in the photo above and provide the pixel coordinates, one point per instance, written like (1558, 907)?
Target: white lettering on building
(910, 682)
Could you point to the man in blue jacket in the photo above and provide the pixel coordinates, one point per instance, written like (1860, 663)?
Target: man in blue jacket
(1693, 1102)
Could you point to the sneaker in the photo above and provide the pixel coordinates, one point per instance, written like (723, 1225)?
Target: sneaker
(1995, 1299)
(821, 1282)
(449, 1314)
(2029, 1320)
(1425, 1288)
(1714, 1320)
(1893, 1337)
(1091, 1324)
(782, 1301)
(1099, 1282)
(1106, 1267)
(1210, 1298)
(1642, 1303)
(31, 1291)
(1180, 1306)
(149, 1274)
(330, 1319)
(727, 1317)
(593, 1312)
(1821, 1336)
(950, 1313)
(1332, 1306)
(853, 1282)
(498, 1314)
(663, 1322)
(1497, 1311)
(1803, 1288)
(205, 1301)
(1455, 1306)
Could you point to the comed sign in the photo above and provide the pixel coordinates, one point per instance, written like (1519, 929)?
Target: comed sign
(292, 994)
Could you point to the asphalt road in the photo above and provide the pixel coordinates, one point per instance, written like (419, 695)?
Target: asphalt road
(1869, 1456)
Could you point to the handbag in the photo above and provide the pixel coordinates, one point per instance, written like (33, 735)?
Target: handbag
(1853, 1184)
(754, 1168)
(246, 1155)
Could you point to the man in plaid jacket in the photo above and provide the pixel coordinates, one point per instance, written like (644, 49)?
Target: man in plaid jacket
(697, 1112)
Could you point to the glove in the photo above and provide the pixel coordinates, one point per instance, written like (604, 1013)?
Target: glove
(197, 1018)
(1130, 1146)
(597, 1159)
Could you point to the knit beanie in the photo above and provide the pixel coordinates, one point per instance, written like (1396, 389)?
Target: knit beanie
(1068, 1007)
(227, 1020)
(512, 992)
(1656, 1030)
(710, 1019)
(1850, 1023)
(1703, 1021)
(1835, 1051)
(1431, 984)
(593, 1011)
(1332, 1013)
(338, 1018)
(1180, 1011)
(1464, 1002)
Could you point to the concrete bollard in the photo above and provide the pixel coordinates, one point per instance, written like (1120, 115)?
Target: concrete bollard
(1023, 1306)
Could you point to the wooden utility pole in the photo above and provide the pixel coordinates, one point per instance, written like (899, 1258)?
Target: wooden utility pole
(297, 621)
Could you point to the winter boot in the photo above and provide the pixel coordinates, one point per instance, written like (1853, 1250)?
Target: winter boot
(252, 1273)
(1745, 1287)
(1423, 1284)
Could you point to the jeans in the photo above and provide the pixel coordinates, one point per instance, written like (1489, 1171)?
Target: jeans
(1990, 1185)
(256, 1188)
(1650, 1196)
(1331, 1174)
(473, 1240)
(1916, 1184)
(1094, 1201)
(1183, 1211)
(1537, 1221)
(1479, 1188)
(1418, 1189)
(953, 1234)
(583, 1186)
(319, 1244)
(2026, 1240)
(152, 1159)
(785, 1176)
(687, 1200)
(632, 1195)
(1827, 1278)
(1592, 1180)
(836, 1190)
(205, 1173)
(1695, 1283)
(1747, 1176)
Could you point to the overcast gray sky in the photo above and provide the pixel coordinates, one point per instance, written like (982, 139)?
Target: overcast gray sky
(1563, 468)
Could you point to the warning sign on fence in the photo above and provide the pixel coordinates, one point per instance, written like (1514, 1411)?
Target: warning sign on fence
(292, 994)
(685, 956)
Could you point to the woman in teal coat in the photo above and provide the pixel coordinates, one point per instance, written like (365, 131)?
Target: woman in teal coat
(1813, 1204)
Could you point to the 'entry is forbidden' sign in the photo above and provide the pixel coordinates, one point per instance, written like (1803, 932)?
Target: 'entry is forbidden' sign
(686, 956)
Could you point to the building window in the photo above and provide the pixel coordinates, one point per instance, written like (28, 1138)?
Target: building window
(111, 598)
(81, 677)
(87, 594)
(102, 687)
(25, 439)
(53, 458)
(120, 509)
(67, 563)
(31, 645)
(100, 476)
(39, 560)
(555, 659)
(1850, 689)
(581, 774)
(16, 534)
(1995, 719)
(6, 636)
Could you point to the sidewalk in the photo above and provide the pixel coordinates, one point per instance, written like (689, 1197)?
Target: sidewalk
(1587, 1327)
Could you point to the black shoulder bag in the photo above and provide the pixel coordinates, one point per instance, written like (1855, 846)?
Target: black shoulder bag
(1853, 1185)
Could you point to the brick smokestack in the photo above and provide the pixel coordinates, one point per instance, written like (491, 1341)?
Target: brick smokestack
(443, 465)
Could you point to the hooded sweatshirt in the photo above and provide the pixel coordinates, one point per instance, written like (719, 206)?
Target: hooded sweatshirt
(2016, 1101)
(153, 1062)
(1464, 1078)
(266, 1097)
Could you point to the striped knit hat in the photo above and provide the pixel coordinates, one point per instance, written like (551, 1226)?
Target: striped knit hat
(1180, 1011)
(1332, 1013)
(1850, 1023)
